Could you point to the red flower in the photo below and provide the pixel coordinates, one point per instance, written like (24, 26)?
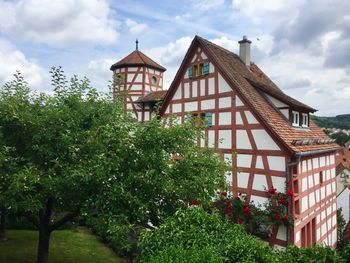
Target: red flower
(285, 218)
(223, 194)
(290, 193)
(193, 202)
(280, 201)
(247, 210)
(286, 203)
(277, 216)
(272, 191)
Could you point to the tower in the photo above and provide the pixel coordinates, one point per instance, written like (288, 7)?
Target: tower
(134, 77)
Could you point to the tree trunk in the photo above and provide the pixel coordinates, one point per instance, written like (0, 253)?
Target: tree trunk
(3, 224)
(44, 243)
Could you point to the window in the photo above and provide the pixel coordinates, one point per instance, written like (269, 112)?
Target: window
(198, 70)
(295, 118)
(199, 119)
(305, 120)
(154, 80)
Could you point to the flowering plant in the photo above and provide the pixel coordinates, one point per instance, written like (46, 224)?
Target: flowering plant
(258, 220)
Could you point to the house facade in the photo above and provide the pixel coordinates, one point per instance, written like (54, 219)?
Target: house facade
(265, 135)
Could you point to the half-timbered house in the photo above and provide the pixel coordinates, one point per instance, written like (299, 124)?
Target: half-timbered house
(266, 135)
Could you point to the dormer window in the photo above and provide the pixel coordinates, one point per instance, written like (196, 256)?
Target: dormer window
(295, 118)
(305, 120)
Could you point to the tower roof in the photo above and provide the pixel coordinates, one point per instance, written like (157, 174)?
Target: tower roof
(137, 58)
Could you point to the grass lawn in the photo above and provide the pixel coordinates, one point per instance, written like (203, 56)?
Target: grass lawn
(66, 246)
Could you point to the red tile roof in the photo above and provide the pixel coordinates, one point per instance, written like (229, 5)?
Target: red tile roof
(242, 79)
(153, 96)
(137, 58)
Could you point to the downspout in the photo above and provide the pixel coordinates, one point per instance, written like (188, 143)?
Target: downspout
(296, 162)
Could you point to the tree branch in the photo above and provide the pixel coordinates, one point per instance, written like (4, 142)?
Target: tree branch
(66, 218)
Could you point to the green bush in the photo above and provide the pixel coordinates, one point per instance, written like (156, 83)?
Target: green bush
(194, 235)
(117, 232)
(314, 254)
(345, 253)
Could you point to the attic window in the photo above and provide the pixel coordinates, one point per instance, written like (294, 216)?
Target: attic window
(198, 70)
(295, 118)
(305, 120)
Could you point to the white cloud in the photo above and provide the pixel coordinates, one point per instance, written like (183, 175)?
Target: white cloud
(206, 5)
(60, 22)
(99, 74)
(12, 60)
(134, 27)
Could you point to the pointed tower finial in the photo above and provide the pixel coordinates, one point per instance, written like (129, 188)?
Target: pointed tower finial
(137, 44)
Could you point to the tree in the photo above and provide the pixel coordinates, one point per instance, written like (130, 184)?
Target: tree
(77, 149)
(52, 138)
(155, 169)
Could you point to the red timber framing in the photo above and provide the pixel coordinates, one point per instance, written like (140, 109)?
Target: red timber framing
(139, 81)
(315, 208)
(259, 159)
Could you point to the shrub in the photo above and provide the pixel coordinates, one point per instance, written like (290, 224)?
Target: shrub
(117, 232)
(312, 255)
(195, 234)
(345, 253)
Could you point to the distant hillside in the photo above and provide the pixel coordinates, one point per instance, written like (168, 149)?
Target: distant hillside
(339, 121)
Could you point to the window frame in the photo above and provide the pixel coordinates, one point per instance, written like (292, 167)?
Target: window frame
(304, 120)
(295, 123)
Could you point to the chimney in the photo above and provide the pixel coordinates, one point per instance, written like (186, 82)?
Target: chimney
(244, 50)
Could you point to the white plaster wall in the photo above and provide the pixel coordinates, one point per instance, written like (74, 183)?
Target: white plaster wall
(279, 183)
(132, 69)
(223, 85)
(258, 200)
(130, 77)
(204, 56)
(250, 118)
(225, 139)
(304, 184)
(304, 203)
(211, 139)
(239, 120)
(146, 116)
(239, 102)
(277, 163)
(167, 110)
(224, 118)
(191, 106)
(276, 102)
(242, 179)
(138, 77)
(194, 88)
(177, 107)
(260, 182)
(202, 88)
(264, 141)
(242, 140)
(211, 68)
(135, 87)
(228, 158)
(208, 104)
(315, 163)
(285, 112)
(244, 160)
(194, 58)
(225, 102)
(177, 95)
(186, 90)
(211, 86)
(259, 163)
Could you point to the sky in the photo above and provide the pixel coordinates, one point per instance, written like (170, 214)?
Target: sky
(302, 45)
